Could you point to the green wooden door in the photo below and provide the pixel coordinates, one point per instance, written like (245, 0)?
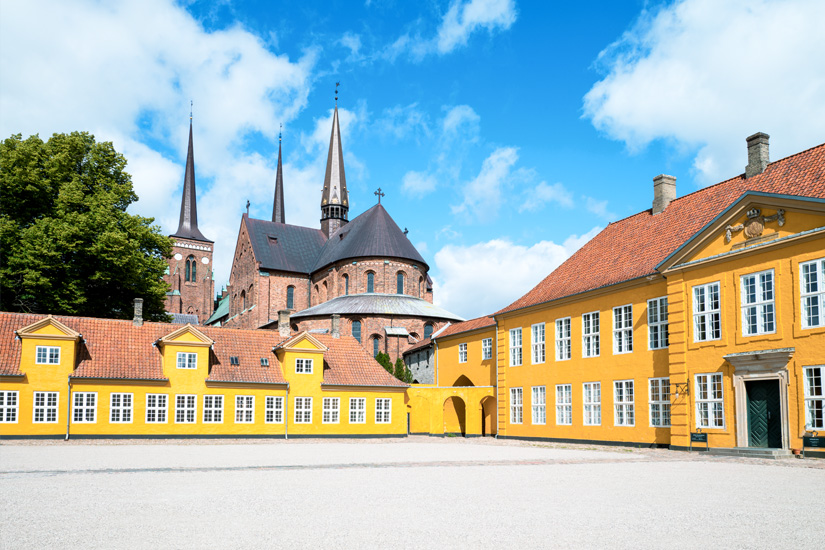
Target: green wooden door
(764, 418)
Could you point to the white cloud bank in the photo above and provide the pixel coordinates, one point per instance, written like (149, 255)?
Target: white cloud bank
(482, 278)
(705, 74)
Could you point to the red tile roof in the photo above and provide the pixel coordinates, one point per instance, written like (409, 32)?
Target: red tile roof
(421, 344)
(347, 363)
(466, 326)
(633, 247)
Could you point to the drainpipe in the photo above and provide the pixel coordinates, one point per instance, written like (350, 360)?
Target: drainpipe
(68, 407)
(435, 345)
(286, 413)
(497, 417)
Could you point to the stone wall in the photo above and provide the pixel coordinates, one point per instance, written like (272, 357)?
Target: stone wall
(195, 296)
(422, 365)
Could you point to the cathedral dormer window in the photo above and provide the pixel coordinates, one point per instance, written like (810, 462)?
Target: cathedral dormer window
(399, 283)
(290, 297)
(346, 285)
(370, 282)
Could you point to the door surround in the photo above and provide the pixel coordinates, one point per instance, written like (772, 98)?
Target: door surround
(760, 365)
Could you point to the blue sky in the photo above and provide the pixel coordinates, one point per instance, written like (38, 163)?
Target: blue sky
(504, 133)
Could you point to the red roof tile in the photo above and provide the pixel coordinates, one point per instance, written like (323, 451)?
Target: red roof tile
(347, 363)
(421, 344)
(633, 247)
(466, 326)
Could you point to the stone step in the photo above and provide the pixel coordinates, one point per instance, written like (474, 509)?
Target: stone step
(751, 452)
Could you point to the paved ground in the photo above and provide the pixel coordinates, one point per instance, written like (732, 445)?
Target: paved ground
(413, 493)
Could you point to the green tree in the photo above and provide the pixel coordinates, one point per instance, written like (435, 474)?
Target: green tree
(385, 361)
(67, 244)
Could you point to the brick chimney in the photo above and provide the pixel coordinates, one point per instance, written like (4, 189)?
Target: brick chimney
(336, 325)
(283, 323)
(664, 191)
(757, 154)
(138, 318)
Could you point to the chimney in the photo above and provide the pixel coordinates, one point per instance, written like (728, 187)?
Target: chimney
(336, 325)
(283, 323)
(757, 154)
(664, 191)
(138, 319)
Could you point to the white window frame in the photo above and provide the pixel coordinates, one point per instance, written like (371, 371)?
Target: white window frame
(213, 408)
(462, 353)
(564, 347)
(331, 410)
(516, 405)
(357, 410)
(515, 347)
(84, 406)
(157, 407)
(537, 338)
(539, 405)
(186, 408)
(187, 360)
(708, 398)
(659, 402)
(706, 318)
(486, 349)
(303, 366)
(383, 410)
(657, 323)
(50, 411)
(274, 413)
(244, 409)
(623, 329)
(812, 293)
(9, 406)
(759, 314)
(47, 355)
(814, 397)
(303, 410)
(592, 403)
(591, 328)
(564, 405)
(121, 405)
(624, 408)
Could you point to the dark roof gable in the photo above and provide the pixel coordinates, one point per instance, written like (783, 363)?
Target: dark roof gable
(283, 247)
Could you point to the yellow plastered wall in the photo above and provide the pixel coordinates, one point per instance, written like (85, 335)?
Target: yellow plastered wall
(451, 410)
(478, 371)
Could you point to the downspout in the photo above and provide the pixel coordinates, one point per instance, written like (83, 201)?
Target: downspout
(497, 415)
(68, 407)
(435, 345)
(286, 413)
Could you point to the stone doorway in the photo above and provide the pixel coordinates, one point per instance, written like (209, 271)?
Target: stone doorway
(764, 414)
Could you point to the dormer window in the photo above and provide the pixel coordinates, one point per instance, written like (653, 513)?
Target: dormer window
(303, 366)
(47, 355)
(234, 360)
(264, 361)
(187, 360)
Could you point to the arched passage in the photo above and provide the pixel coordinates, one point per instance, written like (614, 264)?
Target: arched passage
(455, 418)
(463, 381)
(488, 416)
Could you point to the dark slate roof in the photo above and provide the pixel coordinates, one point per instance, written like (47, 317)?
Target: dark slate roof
(284, 247)
(381, 304)
(373, 233)
(278, 203)
(183, 318)
(188, 226)
(335, 181)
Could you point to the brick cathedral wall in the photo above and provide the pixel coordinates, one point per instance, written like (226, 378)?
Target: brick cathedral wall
(196, 295)
(330, 283)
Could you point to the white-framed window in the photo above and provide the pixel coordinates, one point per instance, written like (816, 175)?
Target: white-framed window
(462, 353)
(186, 408)
(274, 410)
(120, 408)
(707, 317)
(84, 407)
(303, 410)
(516, 413)
(659, 402)
(590, 334)
(539, 403)
(537, 343)
(710, 404)
(563, 349)
(564, 405)
(814, 398)
(657, 337)
(357, 410)
(515, 347)
(623, 404)
(592, 403)
(187, 360)
(331, 410)
(303, 366)
(9, 402)
(47, 355)
(45, 407)
(623, 329)
(486, 349)
(212, 409)
(758, 309)
(156, 406)
(244, 409)
(383, 410)
(813, 293)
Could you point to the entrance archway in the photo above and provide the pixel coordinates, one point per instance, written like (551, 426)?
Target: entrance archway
(488, 416)
(455, 417)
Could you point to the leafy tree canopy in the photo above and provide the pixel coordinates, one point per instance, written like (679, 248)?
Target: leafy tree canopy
(67, 245)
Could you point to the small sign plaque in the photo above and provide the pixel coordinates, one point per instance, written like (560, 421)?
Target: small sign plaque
(698, 438)
(813, 442)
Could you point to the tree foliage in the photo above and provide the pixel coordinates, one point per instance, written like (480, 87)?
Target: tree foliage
(68, 245)
(385, 361)
(402, 372)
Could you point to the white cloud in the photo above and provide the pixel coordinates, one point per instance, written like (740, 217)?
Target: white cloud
(481, 279)
(351, 41)
(599, 208)
(126, 71)
(705, 74)
(418, 184)
(403, 121)
(482, 195)
(461, 119)
(543, 193)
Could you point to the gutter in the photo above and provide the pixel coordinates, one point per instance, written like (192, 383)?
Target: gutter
(68, 407)
(120, 379)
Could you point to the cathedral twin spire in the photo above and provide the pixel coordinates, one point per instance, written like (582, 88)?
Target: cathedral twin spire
(188, 225)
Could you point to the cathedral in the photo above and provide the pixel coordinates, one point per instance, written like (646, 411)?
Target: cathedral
(361, 277)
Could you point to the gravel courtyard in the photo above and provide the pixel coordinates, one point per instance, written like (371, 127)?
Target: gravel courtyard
(414, 493)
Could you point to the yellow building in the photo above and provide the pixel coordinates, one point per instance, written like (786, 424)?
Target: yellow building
(83, 377)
